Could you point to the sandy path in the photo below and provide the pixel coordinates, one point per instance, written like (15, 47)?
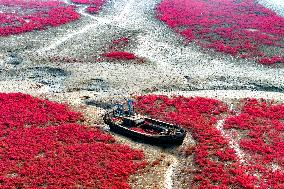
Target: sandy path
(245, 159)
(233, 144)
(56, 42)
(227, 94)
(97, 21)
(168, 183)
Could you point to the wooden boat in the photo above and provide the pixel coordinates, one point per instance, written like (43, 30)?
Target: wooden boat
(144, 128)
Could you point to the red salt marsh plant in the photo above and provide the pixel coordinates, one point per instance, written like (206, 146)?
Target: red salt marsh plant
(121, 41)
(261, 130)
(19, 16)
(119, 44)
(242, 28)
(117, 50)
(43, 145)
(215, 163)
(119, 55)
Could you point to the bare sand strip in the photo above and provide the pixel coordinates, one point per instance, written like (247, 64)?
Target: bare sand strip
(33, 88)
(227, 94)
(122, 14)
(168, 183)
(233, 144)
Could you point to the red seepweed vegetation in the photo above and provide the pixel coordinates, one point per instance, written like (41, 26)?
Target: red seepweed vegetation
(216, 164)
(119, 44)
(19, 16)
(43, 144)
(116, 50)
(241, 28)
(261, 130)
(119, 55)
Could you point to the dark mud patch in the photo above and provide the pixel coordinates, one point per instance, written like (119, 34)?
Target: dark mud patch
(46, 71)
(267, 87)
(96, 85)
(14, 59)
(9, 74)
(46, 75)
(100, 104)
(50, 76)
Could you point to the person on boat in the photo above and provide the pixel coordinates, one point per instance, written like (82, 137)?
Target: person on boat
(130, 107)
(119, 110)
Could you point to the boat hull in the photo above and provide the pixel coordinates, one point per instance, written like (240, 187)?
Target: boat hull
(169, 139)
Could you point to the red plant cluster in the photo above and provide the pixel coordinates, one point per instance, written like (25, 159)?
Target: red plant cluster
(19, 16)
(216, 165)
(241, 28)
(19, 111)
(94, 5)
(119, 55)
(273, 60)
(118, 44)
(262, 129)
(42, 145)
(117, 50)
(121, 41)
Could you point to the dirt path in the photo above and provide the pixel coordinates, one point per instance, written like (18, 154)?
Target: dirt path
(227, 94)
(168, 184)
(97, 22)
(232, 143)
